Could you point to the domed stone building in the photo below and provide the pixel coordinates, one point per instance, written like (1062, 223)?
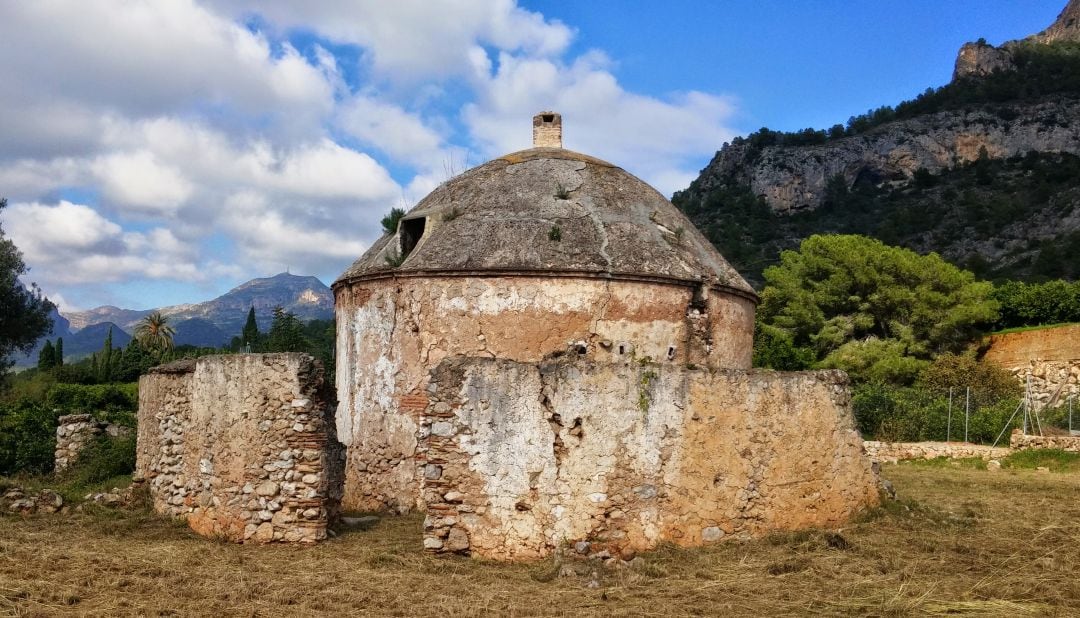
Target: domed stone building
(544, 354)
(527, 256)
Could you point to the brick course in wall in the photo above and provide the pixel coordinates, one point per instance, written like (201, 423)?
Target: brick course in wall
(242, 447)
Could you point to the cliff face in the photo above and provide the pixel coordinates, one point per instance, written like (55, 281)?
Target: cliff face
(793, 178)
(980, 59)
(1065, 28)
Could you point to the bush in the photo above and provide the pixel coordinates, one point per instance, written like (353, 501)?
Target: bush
(104, 458)
(27, 438)
(115, 403)
(989, 383)
(894, 414)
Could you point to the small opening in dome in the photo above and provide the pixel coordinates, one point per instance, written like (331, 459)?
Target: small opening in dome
(548, 117)
(411, 232)
(671, 352)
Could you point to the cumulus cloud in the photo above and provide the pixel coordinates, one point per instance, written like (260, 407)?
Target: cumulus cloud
(411, 40)
(208, 139)
(654, 138)
(71, 243)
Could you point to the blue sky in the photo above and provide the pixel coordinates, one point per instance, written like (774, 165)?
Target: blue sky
(157, 153)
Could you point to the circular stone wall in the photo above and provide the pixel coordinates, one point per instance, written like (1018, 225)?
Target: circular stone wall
(392, 331)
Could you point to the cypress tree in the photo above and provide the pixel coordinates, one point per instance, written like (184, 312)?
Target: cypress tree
(47, 356)
(250, 334)
(59, 352)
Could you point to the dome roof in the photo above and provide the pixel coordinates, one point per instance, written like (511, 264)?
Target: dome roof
(548, 211)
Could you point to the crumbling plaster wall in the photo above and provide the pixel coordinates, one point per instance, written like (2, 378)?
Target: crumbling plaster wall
(518, 459)
(241, 446)
(392, 332)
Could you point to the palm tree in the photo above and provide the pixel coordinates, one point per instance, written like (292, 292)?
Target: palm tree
(154, 332)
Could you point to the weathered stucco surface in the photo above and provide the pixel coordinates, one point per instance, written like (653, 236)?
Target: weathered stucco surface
(518, 459)
(392, 332)
(241, 446)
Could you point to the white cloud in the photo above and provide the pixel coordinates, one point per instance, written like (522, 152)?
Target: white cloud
(651, 137)
(410, 40)
(207, 148)
(71, 243)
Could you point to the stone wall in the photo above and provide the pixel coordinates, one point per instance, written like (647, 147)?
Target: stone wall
(242, 446)
(1019, 441)
(392, 332)
(518, 459)
(74, 432)
(892, 452)
(1048, 357)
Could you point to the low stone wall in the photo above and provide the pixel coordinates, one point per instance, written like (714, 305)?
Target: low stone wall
(1019, 441)
(1052, 382)
(518, 459)
(74, 432)
(242, 446)
(891, 452)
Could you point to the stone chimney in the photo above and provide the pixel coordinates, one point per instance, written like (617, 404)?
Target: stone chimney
(547, 130)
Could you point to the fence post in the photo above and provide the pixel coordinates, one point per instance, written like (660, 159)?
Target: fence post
(967, 412)
(948, 423)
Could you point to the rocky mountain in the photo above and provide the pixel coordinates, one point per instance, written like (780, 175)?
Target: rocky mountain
(907, 174)
(307, 297)
(210, 324)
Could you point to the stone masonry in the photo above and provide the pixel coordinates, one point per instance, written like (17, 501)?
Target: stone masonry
(242, 447)
(1048, 359)
(518, 459)
(74, 432)
(1018, 441)
(892, 452)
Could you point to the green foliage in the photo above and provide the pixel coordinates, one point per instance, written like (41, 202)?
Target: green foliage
(47, 357)
(250, 335)
(1041, 71)
(391, 220)
(968, 212)
(153, 333)
(286, 333)
(555, 234)
(24, 313)
(774, 348)
(907, 414)
(27, 437)
(989, 383)
(1032, 304)
(879, 312)
(104, 458)
(115, 403)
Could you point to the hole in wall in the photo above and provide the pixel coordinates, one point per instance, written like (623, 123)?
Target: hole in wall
(411, 231)
(581, 349)
(671, 352)
(548, 118)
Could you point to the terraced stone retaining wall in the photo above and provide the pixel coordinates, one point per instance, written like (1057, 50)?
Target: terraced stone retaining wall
(518, 459)
(242, 446)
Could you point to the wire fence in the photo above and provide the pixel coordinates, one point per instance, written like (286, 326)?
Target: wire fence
(963, 413)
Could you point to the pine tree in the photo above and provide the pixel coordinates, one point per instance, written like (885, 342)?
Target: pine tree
(286, 333)
(59, 352)
(250, 334)
(47, 357)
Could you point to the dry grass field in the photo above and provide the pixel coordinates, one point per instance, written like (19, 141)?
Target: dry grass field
(959, 541)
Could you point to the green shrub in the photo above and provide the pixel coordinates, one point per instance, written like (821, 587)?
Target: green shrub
(27, 438)
(896, 414)
(115, 403)
(104, 458)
